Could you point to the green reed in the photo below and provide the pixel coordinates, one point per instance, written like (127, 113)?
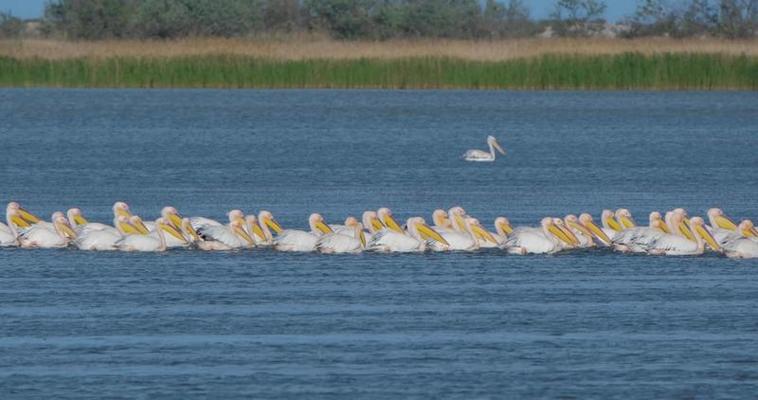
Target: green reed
(623, 71)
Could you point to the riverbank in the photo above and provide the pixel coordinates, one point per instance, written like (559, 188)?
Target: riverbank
(654, 64)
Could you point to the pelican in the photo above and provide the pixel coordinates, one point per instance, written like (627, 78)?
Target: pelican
(587, 222)
(639, 239)
(584, 237)
(624, 217)
(202, 222)
(468, 240)
(372, 223)
(480, 156)
(224, 237)
(120, 209)
(343, 241)
(148, 243)
(573, 240)
(742, 244)
(547, 239)
(348, 228)
(103, 240)
(302, 241)
(503, 228)
(267, 223)
(441, 221)
(745, 230)
(610, 224)
(390, 241)
(53, 236)
(385, 216)
(256, 232)
(80, 224)
(674, 245)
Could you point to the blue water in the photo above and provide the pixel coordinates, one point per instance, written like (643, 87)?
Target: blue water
(259, 324)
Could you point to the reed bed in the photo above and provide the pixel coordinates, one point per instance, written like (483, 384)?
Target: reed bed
(314, 62)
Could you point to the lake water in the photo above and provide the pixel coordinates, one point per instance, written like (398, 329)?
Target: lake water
(260, 324)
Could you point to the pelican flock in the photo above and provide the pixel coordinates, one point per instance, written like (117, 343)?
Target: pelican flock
(673, 233)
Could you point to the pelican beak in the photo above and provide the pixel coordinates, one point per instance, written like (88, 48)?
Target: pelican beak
(192, 233)
(257, 231)
(390, 222)
(506, 227)
(79, 220)
(18, 221)
(28, 217)
(684, 228)
(580, 228)
(376, 224)
(66, 230)
(574, 240)
(243, 234)
(706, 235)
(497, 146)
(175, 220)
(428, 233)
(482, 233)
(460, 222)
(141, 228)
(558, 232)
(627, 222)
(664, 228)
(324, 228)
(613, 224)
(173, 232)
(362, 237)
(128, 228)
(598, 233)
(725, 223)
(273, 225)
(120, 212)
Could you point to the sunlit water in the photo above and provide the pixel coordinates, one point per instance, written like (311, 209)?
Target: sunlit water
(258, 324)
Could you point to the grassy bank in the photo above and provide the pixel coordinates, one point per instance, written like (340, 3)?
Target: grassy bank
(550, 71)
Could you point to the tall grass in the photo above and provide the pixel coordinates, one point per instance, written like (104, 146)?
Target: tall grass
(619, 71)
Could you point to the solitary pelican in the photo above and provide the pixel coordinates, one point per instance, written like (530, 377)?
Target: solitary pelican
(483, 156)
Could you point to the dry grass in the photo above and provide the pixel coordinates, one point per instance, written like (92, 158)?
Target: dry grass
(300, 48)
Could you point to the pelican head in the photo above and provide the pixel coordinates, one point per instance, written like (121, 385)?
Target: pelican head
(254, 228)
(698, 226)
(124, 226)
(573, 223)
(492, 141)
(457, 217)
(682, 229)
(121, 209)
(476, 229)
(625, 218)
(351, 221)
(385, 215)
(56, 215)
(562, 226)
(172, 216)
(316, 222)
(186, 226)
(440, 219)
(656, 222)
(62, 227)
(718, 220)
(371, 221)
(586, 220)
(503, 226)
(747, 229)
(21, 212)
(551, 230)
(265, 218)
(235, 215)
(75, 217)
(167, 226)
(609, 221)
(418, 228)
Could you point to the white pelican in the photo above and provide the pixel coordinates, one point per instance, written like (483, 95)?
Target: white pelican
(53, 236)
(479, 155)
(610, 224)
(745, 230)
(441, 221)
(639, 239)
(743, 243)
(573, 240)
(586, 220)
(302, 241)
(718, 220)
(385, 216)
(348, 228)
(225, 237)
(547, 239)
(457, 216)
(390, 241)
(583, 235)
(267, 223)
(344, 241)
(503, 228)
(120, 209)
(468, 240)
(674, 245)
(256, 232)
(624, 217)
(372, 224)
(202, 222)
(80, 224)
(14, 216)
(148, 243)
(103, 240)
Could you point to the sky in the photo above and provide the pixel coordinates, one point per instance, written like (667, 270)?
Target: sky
(540, 8)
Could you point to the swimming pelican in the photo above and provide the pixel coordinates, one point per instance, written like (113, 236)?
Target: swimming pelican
(385, 216)
(268, 223)
(639, 239)
(441, 221)
(573, 240)
(674, 245)
(80, 224)
(745, 230)
(148, 243)
(103, 240)
(302, 241)
(468, 240)
(224, 237)
(742, 244)
(546, 239)
(255, 231)
(372, 224)
(624, 217)
(15, 220)
(457, 217)
(584, 236)
(54, 236)
(503, 228)
(343, 241)
(586, 220)
(479, 155)
(347, 228)
(610, 225)
(390, 241)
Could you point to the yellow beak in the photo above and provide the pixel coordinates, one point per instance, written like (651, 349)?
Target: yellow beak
(507, 229)
(664, 228)
(176, 220)
(613, 224)
(599, 233)
(725, 223)
(28, 217)
(686, 231)
(580, 228)
(128, 228)
(243, 234)
(173, 232)
(79, 220)
(428, 233)
(390, 222)
(376, 224)
(627, 222)
(192, 232)
(66, 230)
(257, 231)
(19, 222)
(273, 225)
(460, 222)
(482, 233)
(558, 232)
(141, 228)
(324, 228)
(707, 237)
(362, 237)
